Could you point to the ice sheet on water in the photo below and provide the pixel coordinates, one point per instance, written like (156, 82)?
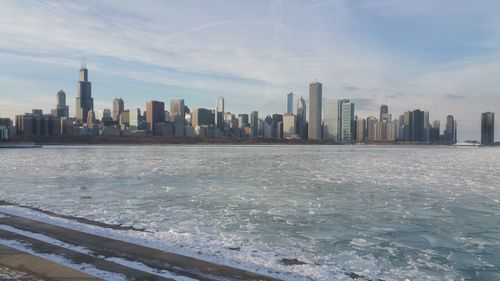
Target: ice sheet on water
(412, 205)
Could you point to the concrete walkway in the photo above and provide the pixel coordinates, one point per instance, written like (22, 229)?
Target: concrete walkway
(38, 267)
(103, 247)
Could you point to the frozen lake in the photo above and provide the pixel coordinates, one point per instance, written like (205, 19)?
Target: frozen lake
(391, 212)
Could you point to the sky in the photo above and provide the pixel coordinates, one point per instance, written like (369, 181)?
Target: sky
(442, 56)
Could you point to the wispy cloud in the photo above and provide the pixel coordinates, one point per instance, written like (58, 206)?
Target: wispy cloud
(454, 97)
(408, 54)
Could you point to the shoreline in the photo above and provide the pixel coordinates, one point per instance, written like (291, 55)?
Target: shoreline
(158, 140)
(73, 218)
(113, 255)
(105, 249)
(26, 266)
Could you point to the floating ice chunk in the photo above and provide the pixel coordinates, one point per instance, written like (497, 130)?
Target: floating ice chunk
(360, 242)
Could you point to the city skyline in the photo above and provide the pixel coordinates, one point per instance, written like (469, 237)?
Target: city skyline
(444, 70)
(329, 119)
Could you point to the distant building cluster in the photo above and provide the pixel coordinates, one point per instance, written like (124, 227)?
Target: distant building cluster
(329, 120)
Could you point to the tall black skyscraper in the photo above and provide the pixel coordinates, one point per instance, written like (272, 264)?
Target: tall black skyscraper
(417, 125)
(384, 109)
(289, 103)
(155, 113)
(450, 131)
(488, 128)
(84, 100)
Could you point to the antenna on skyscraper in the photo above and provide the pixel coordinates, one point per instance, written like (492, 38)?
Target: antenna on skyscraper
(84, 62)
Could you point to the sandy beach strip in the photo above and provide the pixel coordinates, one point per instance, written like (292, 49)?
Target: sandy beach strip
(99, 265)
(39, 268)
(104, 247)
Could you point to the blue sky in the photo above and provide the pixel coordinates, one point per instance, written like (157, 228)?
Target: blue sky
(442, 56)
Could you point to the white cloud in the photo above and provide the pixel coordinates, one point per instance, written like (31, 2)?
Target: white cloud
(253, 52)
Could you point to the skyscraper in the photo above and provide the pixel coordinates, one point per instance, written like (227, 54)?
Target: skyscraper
(242, 125)
(202, 116)
(427, 127)
(118, 108)
(91, 121)
(417, 125)
(37, 124)
(331, 119)
(155, 113)
(177, 110)
(289, 121)
(371, 129)
(104, 115)
(436, 124)
(230, 120)
(219, 113)
(315, 100)
(289, 103)
(449, 131)
(254, 124)
(135, 119)
(488, 128)
(268, 127)
(61, 110)
(178, 116)
(348, 130)
(242, 121)
(124, 118)
(455, 131)
(301, 119)
(84, 100)
(384, 109)
(277, 128)
(406, 125)
(435, 131)
(360, 130)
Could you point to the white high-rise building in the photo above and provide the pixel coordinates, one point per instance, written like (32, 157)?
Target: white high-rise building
(289, 123)
(331, 119)
(348, 130)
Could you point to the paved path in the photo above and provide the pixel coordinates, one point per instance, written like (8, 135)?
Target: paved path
(39, 268)
(103, 247)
